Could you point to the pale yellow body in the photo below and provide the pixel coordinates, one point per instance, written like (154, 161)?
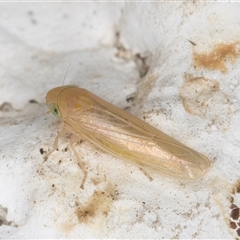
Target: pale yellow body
(118, 132)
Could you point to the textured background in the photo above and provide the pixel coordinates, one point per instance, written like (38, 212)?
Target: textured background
(178, 64)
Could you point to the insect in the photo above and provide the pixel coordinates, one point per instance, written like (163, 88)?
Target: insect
(87, 116)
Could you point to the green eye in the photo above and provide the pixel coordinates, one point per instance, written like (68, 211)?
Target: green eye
(54, 109)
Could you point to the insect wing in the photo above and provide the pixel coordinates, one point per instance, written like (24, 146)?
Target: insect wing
(123, 135)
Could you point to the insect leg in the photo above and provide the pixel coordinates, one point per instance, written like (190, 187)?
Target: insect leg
(146, 174)
(75, 139)
(55, 145)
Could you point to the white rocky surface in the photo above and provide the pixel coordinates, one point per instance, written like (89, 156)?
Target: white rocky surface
(177, 61)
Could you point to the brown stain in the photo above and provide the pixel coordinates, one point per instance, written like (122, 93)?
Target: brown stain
(3, 218)
(203, 97)
(232, 225)
(66, 227)
(234, 217)
(97, 75)
(142, 65)
(98, 205)
(238, 187)
(96, 181)
(235, 213)
(195, 91)
(141, 62)
(218, 57)
(6, 107)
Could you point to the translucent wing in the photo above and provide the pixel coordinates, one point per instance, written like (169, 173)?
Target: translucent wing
(128, 137)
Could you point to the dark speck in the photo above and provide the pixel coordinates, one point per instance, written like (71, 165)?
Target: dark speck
(41, 150)
(33, 101)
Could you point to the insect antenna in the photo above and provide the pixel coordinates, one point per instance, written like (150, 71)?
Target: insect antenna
(37, 117)
(66, 74)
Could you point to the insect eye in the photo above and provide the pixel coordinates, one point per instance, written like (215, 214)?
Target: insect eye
(54, 109)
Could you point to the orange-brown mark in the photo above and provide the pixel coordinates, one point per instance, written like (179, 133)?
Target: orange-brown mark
(218, 57)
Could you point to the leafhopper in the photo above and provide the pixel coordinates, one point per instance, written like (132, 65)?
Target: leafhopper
(88, 117)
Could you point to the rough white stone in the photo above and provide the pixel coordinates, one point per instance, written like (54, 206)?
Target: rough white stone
(109, 45)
